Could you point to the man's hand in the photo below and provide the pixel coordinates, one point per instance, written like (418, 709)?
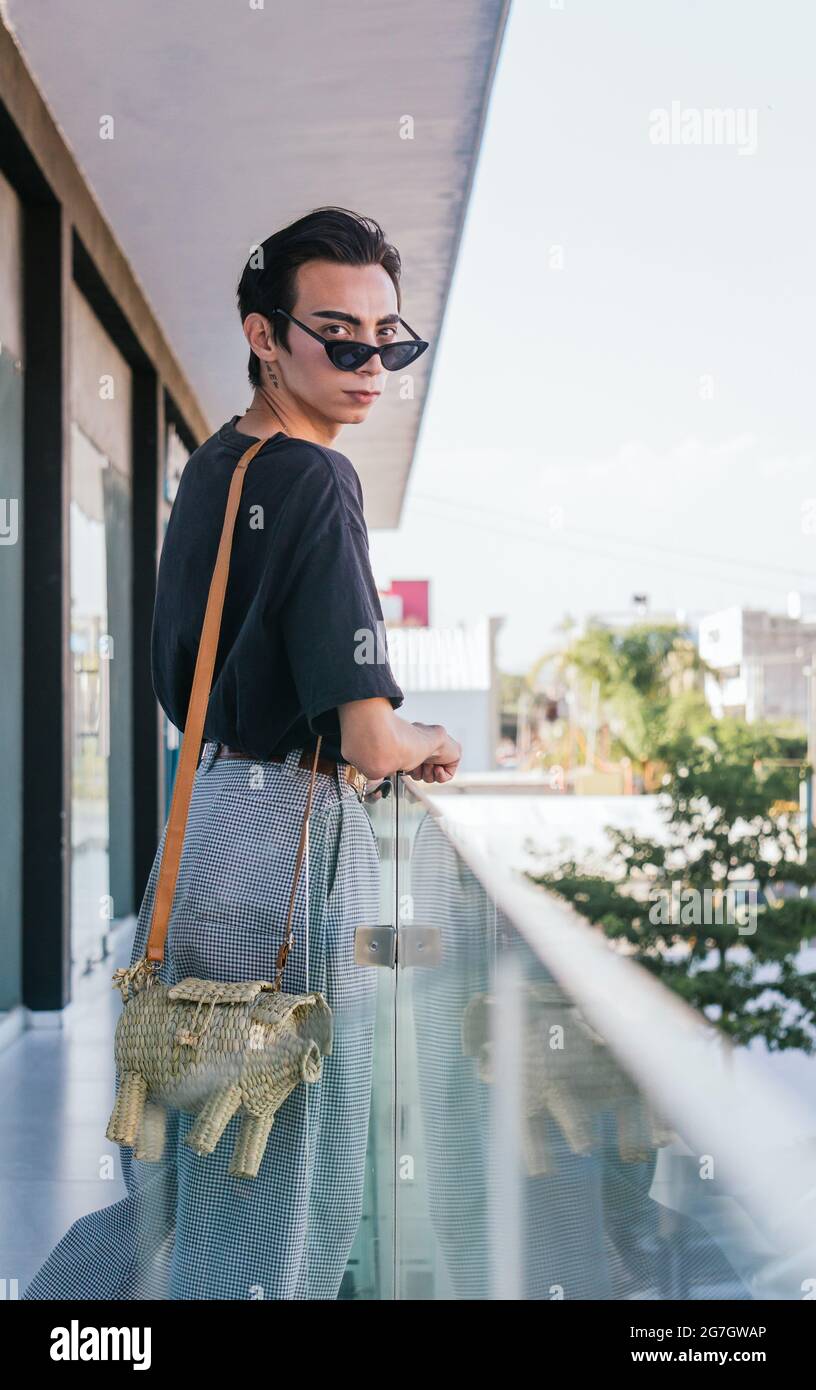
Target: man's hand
(433, 772)
(442, 767)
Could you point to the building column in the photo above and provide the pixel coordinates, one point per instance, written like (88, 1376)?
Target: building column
(46, 673)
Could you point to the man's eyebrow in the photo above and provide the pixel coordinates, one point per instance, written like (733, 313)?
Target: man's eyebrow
(350, 318)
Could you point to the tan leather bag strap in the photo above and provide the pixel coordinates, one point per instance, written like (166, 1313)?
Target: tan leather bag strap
(193, 734)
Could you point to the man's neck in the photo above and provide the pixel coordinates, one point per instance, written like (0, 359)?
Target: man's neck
(262, 421)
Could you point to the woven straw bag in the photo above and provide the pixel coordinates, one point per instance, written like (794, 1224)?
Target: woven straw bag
(211, 1048)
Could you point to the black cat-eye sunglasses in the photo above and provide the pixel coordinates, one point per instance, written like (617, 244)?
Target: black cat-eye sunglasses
(349, 356)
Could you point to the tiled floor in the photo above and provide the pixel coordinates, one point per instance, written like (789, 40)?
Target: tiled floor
(57, 1087)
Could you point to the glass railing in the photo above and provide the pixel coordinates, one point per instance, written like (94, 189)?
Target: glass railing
(546, 1119)
(549, 1121)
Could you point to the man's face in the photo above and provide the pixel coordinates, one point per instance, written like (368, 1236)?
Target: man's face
(329, 296)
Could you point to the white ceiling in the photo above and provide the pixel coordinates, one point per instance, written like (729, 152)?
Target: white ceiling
(232, 117)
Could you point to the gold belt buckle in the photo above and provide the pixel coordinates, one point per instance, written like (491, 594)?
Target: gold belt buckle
(357, 779)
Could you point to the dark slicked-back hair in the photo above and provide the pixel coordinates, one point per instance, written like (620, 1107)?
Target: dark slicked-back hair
(324, 234)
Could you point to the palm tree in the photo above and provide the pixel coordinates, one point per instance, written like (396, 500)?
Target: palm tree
(643, 685)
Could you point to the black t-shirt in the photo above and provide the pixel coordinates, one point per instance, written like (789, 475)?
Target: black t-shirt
(302, 630)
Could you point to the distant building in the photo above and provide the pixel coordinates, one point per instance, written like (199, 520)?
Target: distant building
(760, 660)
(449, 676)
(407, 603)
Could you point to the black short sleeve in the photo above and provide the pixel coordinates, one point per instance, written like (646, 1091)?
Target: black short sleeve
(331, 616)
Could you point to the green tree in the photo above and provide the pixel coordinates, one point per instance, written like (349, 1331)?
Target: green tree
(648, 679)
(729, 820)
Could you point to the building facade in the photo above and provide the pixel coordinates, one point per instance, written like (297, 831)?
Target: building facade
(761, 661)
(96, 419)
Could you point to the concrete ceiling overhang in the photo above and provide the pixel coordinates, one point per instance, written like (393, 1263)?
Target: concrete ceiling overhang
(232, 117)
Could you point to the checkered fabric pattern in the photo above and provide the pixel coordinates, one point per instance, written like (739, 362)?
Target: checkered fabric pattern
(188, 1229)
(560, 1215)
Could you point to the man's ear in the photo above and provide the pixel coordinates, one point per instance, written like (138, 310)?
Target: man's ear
(256, 326)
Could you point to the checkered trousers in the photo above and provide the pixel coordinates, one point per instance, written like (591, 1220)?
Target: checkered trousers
(188, 1229)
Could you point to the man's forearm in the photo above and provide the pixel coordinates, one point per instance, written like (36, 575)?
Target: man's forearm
(378, 741)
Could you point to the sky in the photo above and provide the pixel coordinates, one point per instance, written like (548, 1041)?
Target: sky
(622, 399)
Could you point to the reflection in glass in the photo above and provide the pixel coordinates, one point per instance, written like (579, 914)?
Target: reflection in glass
(101, 887)
(530, 1163)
